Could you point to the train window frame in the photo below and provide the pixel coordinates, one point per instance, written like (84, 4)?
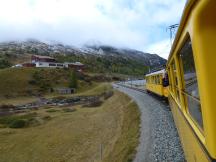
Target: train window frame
(158, 79)
(170, 79)
(177, 81)
(175, 84)
(183, 92)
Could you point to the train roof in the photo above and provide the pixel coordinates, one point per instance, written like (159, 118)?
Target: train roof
(157, 72)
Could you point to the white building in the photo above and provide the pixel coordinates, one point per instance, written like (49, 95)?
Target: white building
(50, 64)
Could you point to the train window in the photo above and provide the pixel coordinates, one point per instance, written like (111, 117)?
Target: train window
(170, 79)
(175, 80)
(159, 79)
(175, 74)
(190, 83)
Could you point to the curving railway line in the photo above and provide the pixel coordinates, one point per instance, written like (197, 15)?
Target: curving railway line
(159, 140)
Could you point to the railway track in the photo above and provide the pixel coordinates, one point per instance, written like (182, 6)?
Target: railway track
(163, 100)
(137, 89)
(159, 140)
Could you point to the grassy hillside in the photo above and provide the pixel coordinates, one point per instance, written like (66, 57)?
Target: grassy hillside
(77, 136)
(16, 82)
(108, 64)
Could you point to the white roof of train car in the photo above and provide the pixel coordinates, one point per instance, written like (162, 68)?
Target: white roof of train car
(157, 72)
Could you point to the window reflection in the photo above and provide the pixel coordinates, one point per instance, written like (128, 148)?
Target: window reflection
(190, 82)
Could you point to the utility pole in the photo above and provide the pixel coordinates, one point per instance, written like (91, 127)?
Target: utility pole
(101, 151)
(172, 30)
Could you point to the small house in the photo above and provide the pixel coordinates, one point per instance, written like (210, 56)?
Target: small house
(64, 90)
(37, 58)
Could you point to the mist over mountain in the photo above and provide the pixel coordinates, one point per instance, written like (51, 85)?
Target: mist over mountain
(97, 57)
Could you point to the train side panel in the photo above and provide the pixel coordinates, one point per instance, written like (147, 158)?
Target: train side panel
(195, 116)
(157, 89)
(193, 149)
(165, 92)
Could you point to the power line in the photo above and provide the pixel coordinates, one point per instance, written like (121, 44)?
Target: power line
(172, 29)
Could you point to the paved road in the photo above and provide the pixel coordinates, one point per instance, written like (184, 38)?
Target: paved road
(159, 140)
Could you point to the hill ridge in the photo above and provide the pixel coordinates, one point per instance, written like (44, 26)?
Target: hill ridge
(98, 58)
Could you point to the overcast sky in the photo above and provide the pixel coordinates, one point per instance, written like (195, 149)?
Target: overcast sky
(137, 24)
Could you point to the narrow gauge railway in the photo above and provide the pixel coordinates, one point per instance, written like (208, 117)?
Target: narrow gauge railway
(191, 83)
(159, 140)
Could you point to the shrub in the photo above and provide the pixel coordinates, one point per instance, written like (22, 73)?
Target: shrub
(32, 82)
(5, 106)
(30, 92)
(59, 98)
(108, 94)
(47, 117)
(52, 110)
(19, 123)
(4, 63)
(95, 103)
(47, 107)
(69, 109)
(115, 78)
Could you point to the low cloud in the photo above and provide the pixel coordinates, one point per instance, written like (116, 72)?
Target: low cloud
(161, 48)
(139, 24)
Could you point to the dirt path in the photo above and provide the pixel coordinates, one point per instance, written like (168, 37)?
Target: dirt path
(159, 140)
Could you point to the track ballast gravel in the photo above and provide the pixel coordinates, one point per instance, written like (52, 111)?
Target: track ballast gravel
(159, 140)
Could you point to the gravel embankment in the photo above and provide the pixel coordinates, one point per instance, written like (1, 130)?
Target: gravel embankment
(159, 140)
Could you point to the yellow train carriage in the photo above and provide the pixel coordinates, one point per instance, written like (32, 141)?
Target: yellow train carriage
(191, 68)
(155, 82)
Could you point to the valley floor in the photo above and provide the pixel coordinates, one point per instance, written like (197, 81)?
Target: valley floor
(109, 132)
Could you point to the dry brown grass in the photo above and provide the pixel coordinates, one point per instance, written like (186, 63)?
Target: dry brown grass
(77, 136)
(94, 88)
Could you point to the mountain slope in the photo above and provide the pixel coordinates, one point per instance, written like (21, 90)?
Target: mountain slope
(97, 58)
